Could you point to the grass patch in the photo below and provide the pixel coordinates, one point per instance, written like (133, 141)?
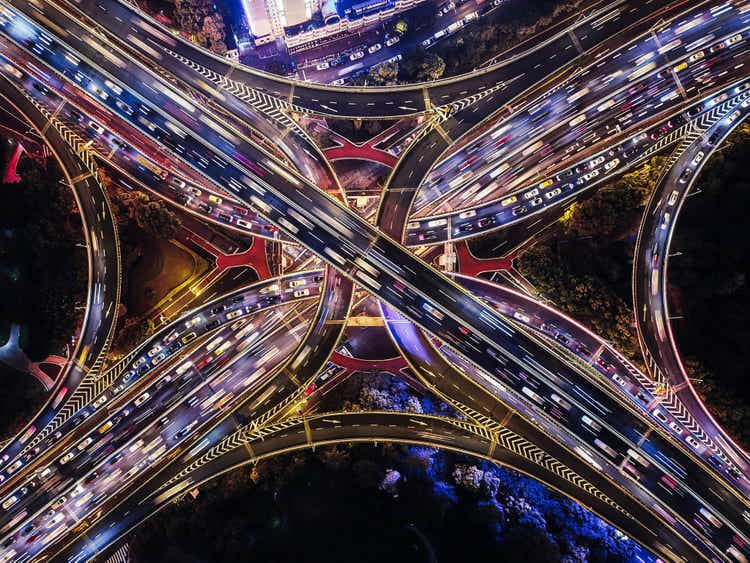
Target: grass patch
(162, 267)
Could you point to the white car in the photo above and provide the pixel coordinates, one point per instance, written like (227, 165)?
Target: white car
(338, 82)
(553, 193)
(531, 194)
(99, 92)
(596, 162)
(374, 48)
(590, 175)
(673, 197)
(356, 55)
(67, 457)
(302, 293)
(611, 164)
(467, 214)
(392, 41)
(698, 157)
(322, 66)
(96, 127)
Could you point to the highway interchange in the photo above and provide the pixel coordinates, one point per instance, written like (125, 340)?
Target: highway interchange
(679, 488)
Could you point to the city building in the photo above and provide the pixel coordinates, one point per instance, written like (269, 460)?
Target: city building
(305, 23)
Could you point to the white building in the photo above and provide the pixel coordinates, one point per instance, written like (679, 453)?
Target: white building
(268, 19)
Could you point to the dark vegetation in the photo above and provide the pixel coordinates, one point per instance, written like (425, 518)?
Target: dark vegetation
(585, 266)
(43, 274)
(374, 504)
(709, 285)
(21, 397)
(503, 28)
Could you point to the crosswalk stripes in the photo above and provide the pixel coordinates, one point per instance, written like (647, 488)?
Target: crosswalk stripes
(84, 392)
(122, 555)
(501, 436)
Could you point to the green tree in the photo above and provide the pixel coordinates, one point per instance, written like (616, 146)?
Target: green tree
(384, 74)
(419, 65)
(133, 332)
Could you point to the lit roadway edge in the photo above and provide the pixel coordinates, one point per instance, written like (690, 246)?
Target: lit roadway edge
(103, 263)
(172, 340)
(470, 312)
(325, 331)
(650, 273)
(369, 427)
(386, 102)
(394, 251)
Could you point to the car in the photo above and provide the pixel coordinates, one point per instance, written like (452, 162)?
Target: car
(99, 92)
(591, 175)
(734, 39)
(427, 42)
(85, 443)
(693, 442)
(619, 380)
(338, 82)
(188, 337)
(732, 118)
(310, 388)
(322, 66)
(213, 324)
(659, 133)
(531, 194)
(665, 221)
(698, 157)
(467, 214)
(356, 55)
(685, 175)
(302, 293)
(58, 503)
(552, 193)
(673, 197)
(714, 138)
(142, 399)
(536, 201)
(718, 47)
(562, 338)
(216, 200)
(10, 501)
(611, 164)
(546, 184)
(67, 457)
(374, 48)
(392, 41)
(485, 222)
(234, 314)
(520, 210)
(508, 200)
(427, 235)
(521, 316)
(596, 162)
(297, 283)
(96, 127)
(680, 67)
(155, 350)
(218, 309)
(100, 401)
(696, 56)
(659, 415)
